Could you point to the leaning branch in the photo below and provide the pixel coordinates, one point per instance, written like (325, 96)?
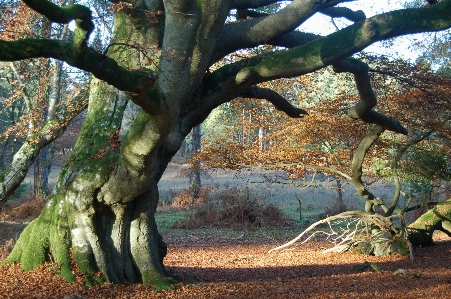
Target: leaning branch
(254, 32)
(357, 173)
(15, 173)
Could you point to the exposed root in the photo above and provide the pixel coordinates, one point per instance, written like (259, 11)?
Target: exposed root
(366, 233)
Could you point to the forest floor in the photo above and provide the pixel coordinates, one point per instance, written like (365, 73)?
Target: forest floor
(218, 266)
(225, 263)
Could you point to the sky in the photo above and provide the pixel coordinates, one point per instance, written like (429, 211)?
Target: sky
(402, 46)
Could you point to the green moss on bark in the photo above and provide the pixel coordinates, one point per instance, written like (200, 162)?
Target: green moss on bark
(46, 239)
(422, 230)
(159, 282)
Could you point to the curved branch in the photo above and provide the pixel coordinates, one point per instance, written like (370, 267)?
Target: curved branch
(279, 102)
(363, 109)
(356, 168)
(343, 43)
(362, 80)
(81, 14)
(14, 174)
(251, 33)
(63, 15)
(396, 195)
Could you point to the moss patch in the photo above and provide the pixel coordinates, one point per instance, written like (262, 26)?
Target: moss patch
(157, 281)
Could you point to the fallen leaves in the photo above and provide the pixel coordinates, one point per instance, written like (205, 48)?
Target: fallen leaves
(235, 268)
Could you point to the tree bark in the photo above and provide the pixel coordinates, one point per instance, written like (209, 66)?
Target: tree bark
(118, 236)
(41, 174)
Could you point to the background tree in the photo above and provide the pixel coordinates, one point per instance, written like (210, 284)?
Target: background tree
(163, 55)
(36, 92)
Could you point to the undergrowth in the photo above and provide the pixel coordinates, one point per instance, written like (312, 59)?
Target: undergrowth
(14, 217)
(232, 208)
(30, 207)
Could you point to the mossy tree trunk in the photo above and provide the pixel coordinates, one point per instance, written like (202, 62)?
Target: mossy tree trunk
(101, 214)
(100, 227)
(439, 218)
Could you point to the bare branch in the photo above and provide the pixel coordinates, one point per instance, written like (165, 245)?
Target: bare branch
(356, 167)
(276, 99)
(363, 109)
(348, 214)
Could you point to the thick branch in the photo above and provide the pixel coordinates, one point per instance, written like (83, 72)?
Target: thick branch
(363, 109)
(100, 66)
(62, 15)
(242, 4)
(81, 14)
(212, 20)
(276, 99)
(293, 39)
(344, 12)
(182, 19)
(254, 32)
(342, 44)
(13, 176)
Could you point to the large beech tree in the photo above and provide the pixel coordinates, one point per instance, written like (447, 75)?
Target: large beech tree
(165, 61)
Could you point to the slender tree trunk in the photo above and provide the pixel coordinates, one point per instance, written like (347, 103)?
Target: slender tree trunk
(194, 178)
(261, 138)
(41, 174)
(340, 192)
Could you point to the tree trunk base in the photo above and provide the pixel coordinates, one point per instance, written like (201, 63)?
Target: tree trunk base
(122, 245)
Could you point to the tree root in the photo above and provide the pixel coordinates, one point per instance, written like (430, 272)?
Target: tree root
(371, 234)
